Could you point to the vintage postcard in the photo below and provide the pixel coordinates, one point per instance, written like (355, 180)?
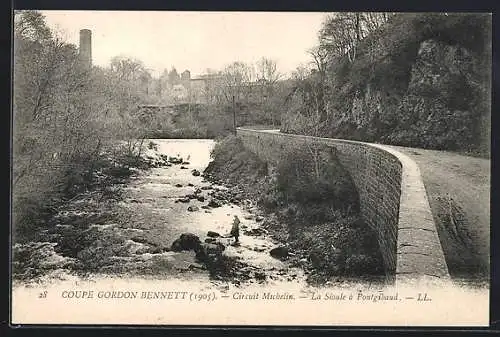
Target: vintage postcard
(251, 168)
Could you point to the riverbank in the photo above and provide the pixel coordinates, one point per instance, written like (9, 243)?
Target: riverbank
(60, 237)
(309, 206)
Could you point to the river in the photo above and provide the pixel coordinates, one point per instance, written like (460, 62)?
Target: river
(157, 217)
(149, 216)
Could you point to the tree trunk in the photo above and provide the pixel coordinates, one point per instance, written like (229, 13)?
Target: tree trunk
(358, 35)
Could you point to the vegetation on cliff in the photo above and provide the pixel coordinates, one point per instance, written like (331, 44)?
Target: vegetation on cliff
(311, 205)
(418, 80)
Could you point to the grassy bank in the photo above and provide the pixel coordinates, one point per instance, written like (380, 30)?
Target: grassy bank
(311, 206)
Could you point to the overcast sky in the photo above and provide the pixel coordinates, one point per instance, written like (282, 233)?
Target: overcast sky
(193, 40)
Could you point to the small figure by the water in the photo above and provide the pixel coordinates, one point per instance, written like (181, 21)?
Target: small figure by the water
(235, 229)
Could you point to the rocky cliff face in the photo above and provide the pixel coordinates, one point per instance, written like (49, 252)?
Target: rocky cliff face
(423, 82)
(444, 103)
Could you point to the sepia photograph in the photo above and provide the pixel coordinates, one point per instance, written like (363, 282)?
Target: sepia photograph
(209, 168)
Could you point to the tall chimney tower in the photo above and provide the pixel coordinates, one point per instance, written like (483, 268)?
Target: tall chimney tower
(85, 52)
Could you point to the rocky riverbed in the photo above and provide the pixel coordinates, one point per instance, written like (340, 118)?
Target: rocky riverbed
(133, 234)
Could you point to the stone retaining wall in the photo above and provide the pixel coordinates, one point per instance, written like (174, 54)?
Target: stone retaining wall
(392, 196)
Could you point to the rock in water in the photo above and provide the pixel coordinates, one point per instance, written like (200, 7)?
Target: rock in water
(221, 246)
(193, 208)
(213, 234)
(196, 266)
(187, 241)
(178, 185)
(208, 252)
(260, 276)
(184, 200)
(195, 173)
(176, 246)
(280, 252)
(201, 198)
(184, 168)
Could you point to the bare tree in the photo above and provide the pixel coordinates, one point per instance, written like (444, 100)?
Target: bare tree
(339, 35)
(342, 32)
(267, 71)
(236, 78)
(319, 58)
(31, 25)
(267, 77)
(301, 72)
(64, 115)
(126, 68)
(372, 21)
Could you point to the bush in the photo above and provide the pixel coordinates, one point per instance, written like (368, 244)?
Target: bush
(309, 183)
(312, 176)
(344, 247)
(34, 259)
(233, 161)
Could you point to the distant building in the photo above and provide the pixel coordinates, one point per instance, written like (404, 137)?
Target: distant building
(186, 76)
(173, 88)
(85, 48)
(203, 89)
(179, 92)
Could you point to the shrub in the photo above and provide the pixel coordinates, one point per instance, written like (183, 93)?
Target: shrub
(232, 160)
(66, 117)
(311, 175)
(343, 247)
(34, 259)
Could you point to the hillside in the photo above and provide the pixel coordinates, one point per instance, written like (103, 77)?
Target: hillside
(422, 80)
